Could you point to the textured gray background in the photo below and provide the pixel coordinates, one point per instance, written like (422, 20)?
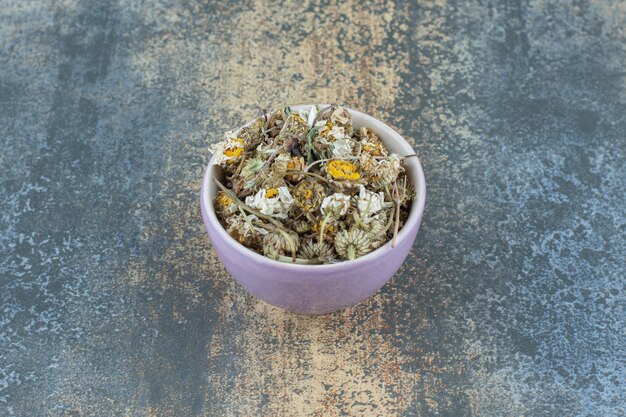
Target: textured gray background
(113, 303)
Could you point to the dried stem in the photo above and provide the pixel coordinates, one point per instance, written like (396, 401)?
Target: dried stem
(266, 164)
(240, 166)
(322, 226)
(319, 177)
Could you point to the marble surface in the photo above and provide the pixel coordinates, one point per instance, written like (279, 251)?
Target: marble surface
(113, 302)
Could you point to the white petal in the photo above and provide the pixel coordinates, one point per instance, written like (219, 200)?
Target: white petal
(312, 116)
(342, 147)
(285, 195)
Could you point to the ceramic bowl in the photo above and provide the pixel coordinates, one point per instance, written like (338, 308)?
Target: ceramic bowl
(318, 289)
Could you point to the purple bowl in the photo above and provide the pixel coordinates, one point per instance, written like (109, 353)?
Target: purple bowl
(318, 289)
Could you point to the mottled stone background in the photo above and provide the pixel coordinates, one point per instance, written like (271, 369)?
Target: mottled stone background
(113, 303)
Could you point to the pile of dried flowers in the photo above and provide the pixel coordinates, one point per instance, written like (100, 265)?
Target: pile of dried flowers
(307, 187)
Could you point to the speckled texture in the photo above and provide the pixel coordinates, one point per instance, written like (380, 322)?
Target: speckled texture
(113, 303)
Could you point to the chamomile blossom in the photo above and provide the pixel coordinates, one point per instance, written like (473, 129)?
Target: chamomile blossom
(342, 148)
(352, 243)
(333, 137)
(329, 132)
(274, 202)
(294, 125)
(227, 151)
(343, 171)
(369, 203)
(336, 204)
(338, 132)
(386, 171)
(308, 195)
(241, 228)
(225, 204)
(340, 116)
(373, 148)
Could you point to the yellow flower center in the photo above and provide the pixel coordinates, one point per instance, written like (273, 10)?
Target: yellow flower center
(271, 192)
(327, 229)
(234, 152)
(343, 170)
(374, 149)
(224, 200)
(293, 164)
(307, 197)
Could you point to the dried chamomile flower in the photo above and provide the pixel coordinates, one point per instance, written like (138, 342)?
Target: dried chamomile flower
(323, 128)
(386, 171)
(295, 166)
(376, 230)
(285, 166)
(377, 226)
(341, 116)
(301, 227)
(339, 170)
(335, 205)
(367, 163)
(272, 201)
(335, 138)
(374, 149)
(309, 115)
(224, 204)
(242, 229)
(251, 168)
(280, 243)
(312, 249)
(279, 166)
(308, 195)
(370, 203)
(371, 143)
(342, 148)
(366, 134)
(294, 125)
(330, 131)
(227, 152)
(351, 244)
(253, 133)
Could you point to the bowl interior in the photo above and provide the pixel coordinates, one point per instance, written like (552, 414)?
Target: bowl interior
(394, 143)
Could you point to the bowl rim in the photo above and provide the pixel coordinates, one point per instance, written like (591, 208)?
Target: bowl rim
(415, 214)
